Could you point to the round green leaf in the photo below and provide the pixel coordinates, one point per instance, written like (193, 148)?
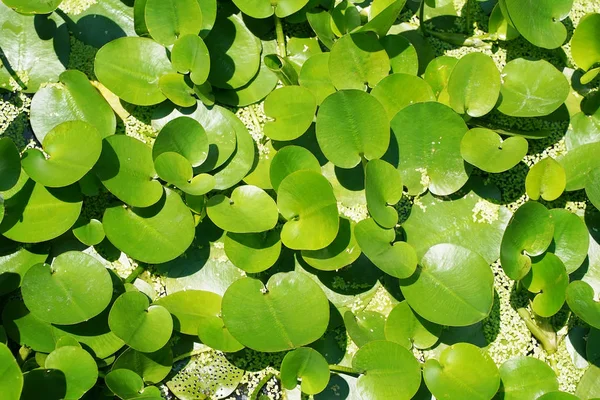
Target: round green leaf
(126, 384)
(383, 189)
(309, 366)
(558, 396)
(438, 73)
(500, 26)
(74, 98)
(213, 333)
(526, 378)
(306, 200)
(579, 163)
(528, 234)
(486, 150)
(10, 164)
(15, 262)
(314, 76)
(548, 278)
(585, 44)
(392, 94)
(144, 327)
(292, 109)
(531, 88)
(474, 85)
(462, 368)
(33, 6)
(582, 301)
(357, 60)
(168, 20)
(452, 286)
(79, 367)
(74, 289)
(152, 367)
(70, 150)
(126, 169)
(130, 68)
(26, 329)
(364, 326)
(390, 371)
(266, 8)
(341, 252)
(175, 169)
(352, 124)
(89, 232)
(592, 188)
(185, 136)
(410, 330)
(253, 252)
(190, 55)
(11, 379)
(403, 55)
(291, 311)
(571, 239)
(176, 89)
(189, 308)
(240, 163)
(250, 209)
(169, 223)
(289, 160)
(546, 179)
(429, 136)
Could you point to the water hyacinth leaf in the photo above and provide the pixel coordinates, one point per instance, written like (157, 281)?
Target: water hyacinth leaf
(578, 165)
(233, 63)
(126, 169)
(168, 20)
(176, 89)
(392, 94)
(344, 132)
(253, 252)
(486, 150)
(321, 23)
(344, 18)
(531, 88)
(357, 60)
(528, 234)
(175, 169)
(438, 73)
(185, 136)
(144, 327)
(383, 189)
(11, 379)
(309, 366)
(500, 26)
(74, 98)
(127, 384)
(546, 179)
(410, 330)
(429, 136)
(14, 263)
(526, 378)
(213, 332)
(452, 286)
(291, 311)
(548, 278)
(259, 174)
(70, 151)
(306, 200)
(292, 109)
(592, 188)
(189, 308)
(397, 259)
(389, 371)
(90, 232)
(301, 49)
(585, 45)
(152, 367)
(314, 76)
(462, 368)
(250, 209)
(403, 55)
(75, 288)
(205, 94)
(289, 160)
(364, 326)
(33, 6)
(539, 22)
(474, 85)
(582, 301)
(78, 366)
(571, 238)
(10, 164)
(589, 387)
(133, 77)
(240, 163)
(190, 55)
(341, 252)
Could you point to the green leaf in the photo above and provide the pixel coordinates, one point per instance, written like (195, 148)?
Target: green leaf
(74, 98)
(33, 6)
(403, 55)
(10, 164)
(79, 367)
(189, 308)
(410, 330)
(309, 366)
(289, 312)
(253, 252)
(75, 288)
(558, 396)
(571, 239)
(383, 189)
(486, 150)
(546, 179)
(382, 15)
(127, 385)
(390, 371)
(357, 60)
(250, 209)
(585, 44)
(11, 379)
(321, 23)
(242, 160)
(292, 109)
(185, 136)
(70, 151)
(26, 329)
(392, 94)
(15, 262)
(344, 18)
(500, 26)
(345, 133)
(589, 385)
(452, 286)
(44, 383)
(578, 165)
(429, 136)
(176, 89)
(582, 301)
(175, 169)
(209, 15)
(266, 8)
(462, 368)
(152, 367)
(169, 223)
(592, 188)
(213, 332)
(438, 73)
(341, 252)
(548, 278)
(89, 232)
(531, 88)
(190, 55)
(314, 76)
(144, 327)
(364, 326)
(526, 378)
(289, 160)
(168, 20)
(306, 200)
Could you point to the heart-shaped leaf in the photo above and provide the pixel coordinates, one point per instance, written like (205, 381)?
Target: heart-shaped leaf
(291, 311)
(345, 133)
(582, 301)
(341, 252)
(292, 109)
(70, 150)
(392, 94)
(168, 20)
(403, 55)
(177, 89)
(429, 136)
(438, 73)
(309, 366)
(152, 367)
(213, 332)
(390, 371)
(190, 55)
(176, 169)
(33, 6)
(315, 76)
(571, 239)
(528, 234)
(266, 8)
(78, 366)
(364, 326)
(289, 160)
(250, 209)
(89, 232)
(486, 150)
(383, 189)
(531, 88)
(240, 163)
(546, 179)
(122, 66)
(548, 278)
(585, 45)
(526, 378)
(10, 164)
(11, 379)
(144, 327)
(452, 286)
(189, 308)
(462, 368)
(16, 262)
(410, 330)
(127, 385)
(306, 200)
(253, 252)
(169, 223)
(75, 288)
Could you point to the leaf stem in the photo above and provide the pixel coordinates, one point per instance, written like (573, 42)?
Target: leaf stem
(259, 386)
(134, 274)
(541, 330)
(280, 37)
(344, 370)
(422, 18)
